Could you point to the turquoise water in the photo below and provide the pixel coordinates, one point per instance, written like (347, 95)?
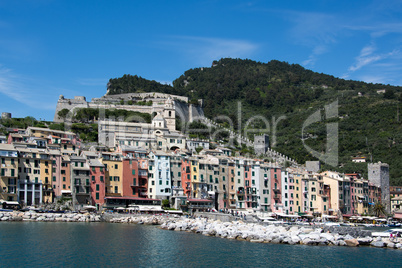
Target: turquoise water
(41, 244)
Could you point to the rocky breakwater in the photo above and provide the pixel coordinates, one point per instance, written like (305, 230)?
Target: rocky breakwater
(48, 217)
(140, 219)
(274, 234)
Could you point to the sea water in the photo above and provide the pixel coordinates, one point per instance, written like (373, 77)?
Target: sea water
(54, 244)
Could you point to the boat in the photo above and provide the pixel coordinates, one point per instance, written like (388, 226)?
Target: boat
(387, 233)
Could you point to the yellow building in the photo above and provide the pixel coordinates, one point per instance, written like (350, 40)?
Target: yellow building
(196, 181)
(396, 203)
(297, 194)
(9, 172)
(113, 175)
(46, 176)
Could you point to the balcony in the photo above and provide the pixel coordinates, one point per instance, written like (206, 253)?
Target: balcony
(277, 196)
(277, 190)
(240, 192)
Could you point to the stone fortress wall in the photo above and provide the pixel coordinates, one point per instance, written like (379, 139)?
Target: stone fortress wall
(186, 111)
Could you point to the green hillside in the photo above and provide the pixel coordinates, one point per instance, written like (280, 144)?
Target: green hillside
(369, 123)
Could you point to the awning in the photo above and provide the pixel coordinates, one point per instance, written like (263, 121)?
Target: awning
(397, 216)
(11, 202)
(65, 191)
(89, 207)
(120, 208)
(329, 216)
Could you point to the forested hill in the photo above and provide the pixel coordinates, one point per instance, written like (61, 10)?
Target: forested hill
(369, 123)
(133, 83)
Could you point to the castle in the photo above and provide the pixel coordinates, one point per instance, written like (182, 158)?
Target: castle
(132, 102)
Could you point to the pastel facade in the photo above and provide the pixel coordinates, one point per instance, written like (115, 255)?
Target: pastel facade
(8, 173)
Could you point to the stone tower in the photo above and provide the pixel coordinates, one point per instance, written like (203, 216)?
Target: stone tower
(169, 114)
(261, 144)
(5, 115)
(378, 174)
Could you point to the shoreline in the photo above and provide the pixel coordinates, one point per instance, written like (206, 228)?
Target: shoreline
(239, 230)
(277, 234)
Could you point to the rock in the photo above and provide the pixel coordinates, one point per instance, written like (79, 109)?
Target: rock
(276, 241)
(377, 244)
(351, 242)
(348, 237)
(364, 240)
(391, 245)
(342, 243)
(314, 236)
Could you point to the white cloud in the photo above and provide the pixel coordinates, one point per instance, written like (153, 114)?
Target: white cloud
(206, 49)
(23, 90)
(367, 57)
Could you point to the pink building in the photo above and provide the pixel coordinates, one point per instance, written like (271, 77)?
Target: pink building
(247, 186)
(97, 185)
(276, 197)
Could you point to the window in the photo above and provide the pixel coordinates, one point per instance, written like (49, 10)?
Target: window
(101, 178)
(116, 166)
(54, 178)
(216, 180)
(97, 196)
(133, 171)
(97, 187)
(82, 164)
(134, 181)
(116, 189)
(93, 178)
(160, 182)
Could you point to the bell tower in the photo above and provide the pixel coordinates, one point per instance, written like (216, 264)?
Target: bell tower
(169, 114)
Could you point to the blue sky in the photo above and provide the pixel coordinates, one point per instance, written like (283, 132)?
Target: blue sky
(53, 47)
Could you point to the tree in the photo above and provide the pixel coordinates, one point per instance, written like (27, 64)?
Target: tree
(165, 203)
(379, 209)
(63, 113)
(389, 94)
